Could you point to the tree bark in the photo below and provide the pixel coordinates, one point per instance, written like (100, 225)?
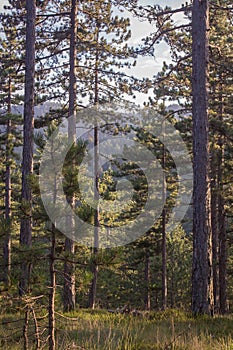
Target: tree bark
(202, 286)
(222, 257)
(221, 216)
(147, 298)
(164, 261)
(27, 164)
(215, 240)
(25, 329)
(52, 291)
(7, 240)
(37, 332)
(95, 267)
(164, 235)
(69, 268)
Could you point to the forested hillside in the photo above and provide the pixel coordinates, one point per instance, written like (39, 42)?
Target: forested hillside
(116, 219)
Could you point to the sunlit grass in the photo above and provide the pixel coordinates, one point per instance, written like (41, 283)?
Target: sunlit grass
(100, 330)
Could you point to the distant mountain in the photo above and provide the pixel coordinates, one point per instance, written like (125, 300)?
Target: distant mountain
(40, 110)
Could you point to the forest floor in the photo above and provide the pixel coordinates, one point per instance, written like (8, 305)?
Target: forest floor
(101, 330)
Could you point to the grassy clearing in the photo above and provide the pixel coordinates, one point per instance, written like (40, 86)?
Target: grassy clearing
(100, 330)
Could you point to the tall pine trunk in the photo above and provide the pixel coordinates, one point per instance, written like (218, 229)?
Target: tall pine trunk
(27, 164)
(214, 222)
(164, 235)
(202, 286)
(221, 215)
(95, 267)
(69, 268)
(7, 240)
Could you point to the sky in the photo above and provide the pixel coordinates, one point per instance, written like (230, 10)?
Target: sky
(149, 66)
(2, 3)
(146, 66)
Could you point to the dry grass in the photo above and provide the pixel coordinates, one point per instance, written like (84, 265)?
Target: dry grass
(100, 330)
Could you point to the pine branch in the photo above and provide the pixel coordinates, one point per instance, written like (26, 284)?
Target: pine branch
(174, 68)
(54, 14)
(219, 7)
(158, 36)
(151, 10)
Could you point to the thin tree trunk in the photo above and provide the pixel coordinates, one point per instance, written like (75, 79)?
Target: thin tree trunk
(69, 268)
(25, 329)
(95, 267)
(202, 284)
(52, 273)
(147, 298)
(215, 241)
(164, 261)
(172, 290)
(27, 164)
(52, 291)
(222, 257)
(7, 240)
(69, 278)
(37, 332)
(221, 217)
(164, 236)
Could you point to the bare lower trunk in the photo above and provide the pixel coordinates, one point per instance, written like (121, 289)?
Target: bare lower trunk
(37, 333)
(215, 245)
(7, 240)
(27, 165)
(69, 278)
(95, 268)
(164, 261)
(52, 292)
(147, 298)
(221, 214)
(202, 287)
(172, 282)
(222, 258)
(25, 329)
(93, 287)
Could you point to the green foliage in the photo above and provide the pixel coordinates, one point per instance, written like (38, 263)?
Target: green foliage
(103, 54)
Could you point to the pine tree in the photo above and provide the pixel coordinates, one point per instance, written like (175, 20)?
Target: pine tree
(102, 53)
(174, 83)
(220, 57)
(69, 273)
(202, 299)
(27, 165)
(11, 81)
